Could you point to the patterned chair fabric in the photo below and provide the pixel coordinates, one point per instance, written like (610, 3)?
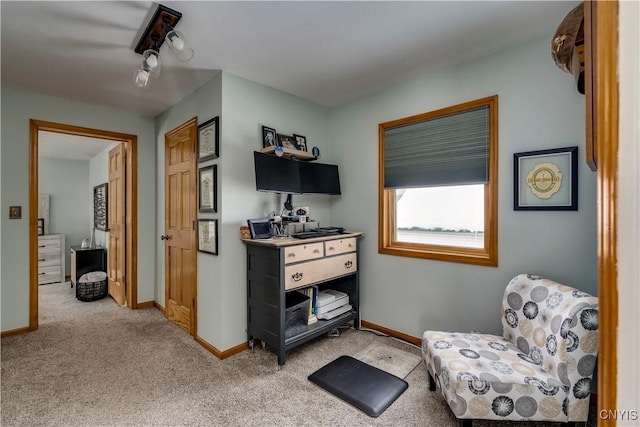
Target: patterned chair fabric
(539, 370)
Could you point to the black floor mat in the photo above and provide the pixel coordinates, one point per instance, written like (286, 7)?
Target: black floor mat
(368, 388)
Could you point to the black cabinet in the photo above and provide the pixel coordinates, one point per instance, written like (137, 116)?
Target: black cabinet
(276, 267)
(85, 260)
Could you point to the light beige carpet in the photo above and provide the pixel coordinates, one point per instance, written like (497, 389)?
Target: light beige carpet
(390, 359)
(97, 364)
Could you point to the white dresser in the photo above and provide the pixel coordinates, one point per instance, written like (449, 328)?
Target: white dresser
(51, 268)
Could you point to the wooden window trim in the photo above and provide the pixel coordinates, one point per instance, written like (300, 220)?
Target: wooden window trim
(387, 244)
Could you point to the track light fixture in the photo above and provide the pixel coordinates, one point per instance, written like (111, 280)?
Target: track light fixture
(159, 30)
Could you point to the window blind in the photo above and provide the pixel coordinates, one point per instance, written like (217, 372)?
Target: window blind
(446, 150)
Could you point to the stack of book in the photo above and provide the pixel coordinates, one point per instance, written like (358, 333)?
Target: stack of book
(331, 303)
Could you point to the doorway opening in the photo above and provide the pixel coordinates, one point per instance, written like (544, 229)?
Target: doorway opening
(130, 146)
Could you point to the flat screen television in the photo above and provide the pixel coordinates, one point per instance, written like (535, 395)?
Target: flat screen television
(319, 178)
(282, 175)
(276, 174)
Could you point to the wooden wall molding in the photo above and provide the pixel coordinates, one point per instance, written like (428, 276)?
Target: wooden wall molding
(606, 134)
(14, 332)
(413, 340)
(131, 143)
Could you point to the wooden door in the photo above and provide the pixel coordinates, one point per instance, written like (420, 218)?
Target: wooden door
(116, 218)
(180, 225)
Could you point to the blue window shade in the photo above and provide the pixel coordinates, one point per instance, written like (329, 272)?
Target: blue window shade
(446, 150)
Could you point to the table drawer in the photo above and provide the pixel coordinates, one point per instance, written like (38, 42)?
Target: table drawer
(48, 259)
(49, 241)
(340, 246)
(316, 271)
(303, 252)
(48, 275)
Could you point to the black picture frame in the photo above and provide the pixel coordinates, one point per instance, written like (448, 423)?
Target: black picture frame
(207, 189)
(208, 140)
(101, 207)
(287, 141)
(301, 142)
(546, 180)
(40, 226)
(269, 137)
(208, 236)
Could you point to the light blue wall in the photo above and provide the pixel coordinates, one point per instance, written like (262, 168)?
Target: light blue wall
(17, 108)
(246, 106)
(243, 107)
(66, 182)
(539, 108)
(204, 103)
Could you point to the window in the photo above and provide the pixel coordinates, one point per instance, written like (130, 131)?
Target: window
(438, 195)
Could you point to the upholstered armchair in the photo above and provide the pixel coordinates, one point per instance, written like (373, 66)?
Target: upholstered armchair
(539, 370)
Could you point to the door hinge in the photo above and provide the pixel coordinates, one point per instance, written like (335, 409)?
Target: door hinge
(193, 303)
(193, 224)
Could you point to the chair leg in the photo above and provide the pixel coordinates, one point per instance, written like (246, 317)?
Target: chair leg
(432, 383)
(465, 422)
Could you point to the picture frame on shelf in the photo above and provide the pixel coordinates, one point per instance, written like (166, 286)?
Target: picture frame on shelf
(286, 141)
(207, 185)
(301, 142)
(100, 207)
(269, 138)
(40, 226)
(546, 180)
(208, 140)
(208, 236)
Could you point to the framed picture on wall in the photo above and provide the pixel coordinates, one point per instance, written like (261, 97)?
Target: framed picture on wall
(208, 236)
(100, 208)
(546, 180)
(208, 145)
(207, 197)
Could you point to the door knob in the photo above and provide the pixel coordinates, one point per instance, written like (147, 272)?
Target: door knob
(164, 237)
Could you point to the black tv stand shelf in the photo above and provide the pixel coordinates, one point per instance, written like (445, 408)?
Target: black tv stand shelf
(278, 266)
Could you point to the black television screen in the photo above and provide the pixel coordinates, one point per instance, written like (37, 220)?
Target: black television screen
(319, 178)
(276, 174)
(282, 175)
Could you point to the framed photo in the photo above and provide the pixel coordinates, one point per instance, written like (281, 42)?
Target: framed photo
(208, 144)
(100, 211)
(15, 212)
(286, 141)
(269, 137)
(546, 180)
(207, 197)
(301, 142)
(208, 236)
(40, 226)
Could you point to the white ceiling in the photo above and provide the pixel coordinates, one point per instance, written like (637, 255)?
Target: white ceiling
(328, 52)
(62, 146)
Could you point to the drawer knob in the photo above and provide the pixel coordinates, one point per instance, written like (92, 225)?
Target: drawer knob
(316, 251)
(348, 264)
(43, 259)
(350, 245)
(331, 248)
(42, 246)
(41, 274)
(291, 255)
(296, 277)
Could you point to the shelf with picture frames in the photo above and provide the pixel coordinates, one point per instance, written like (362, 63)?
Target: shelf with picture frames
(290, 153)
